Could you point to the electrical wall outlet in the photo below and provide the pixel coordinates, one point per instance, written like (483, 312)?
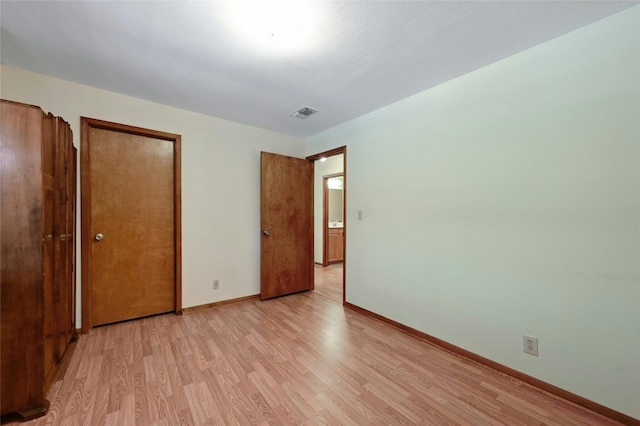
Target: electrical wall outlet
(216, 284)
(530, 345)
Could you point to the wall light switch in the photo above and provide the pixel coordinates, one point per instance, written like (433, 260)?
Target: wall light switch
(359, 214)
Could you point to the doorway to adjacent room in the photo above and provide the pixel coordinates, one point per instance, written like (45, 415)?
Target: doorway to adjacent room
(330, 223)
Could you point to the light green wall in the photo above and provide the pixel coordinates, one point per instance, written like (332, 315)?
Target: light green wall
(507, 202)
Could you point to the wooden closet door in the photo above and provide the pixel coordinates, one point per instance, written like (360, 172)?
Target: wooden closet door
(130, 222)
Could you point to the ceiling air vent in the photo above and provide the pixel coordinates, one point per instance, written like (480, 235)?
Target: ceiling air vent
(303, 113)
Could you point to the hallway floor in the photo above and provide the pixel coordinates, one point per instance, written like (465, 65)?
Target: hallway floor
(328, 281)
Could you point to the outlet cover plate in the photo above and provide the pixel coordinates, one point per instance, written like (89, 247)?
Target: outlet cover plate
(530, 345)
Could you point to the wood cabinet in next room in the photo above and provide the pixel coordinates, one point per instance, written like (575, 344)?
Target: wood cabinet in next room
(335, 238)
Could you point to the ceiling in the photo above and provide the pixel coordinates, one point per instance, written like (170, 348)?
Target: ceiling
(253, 64)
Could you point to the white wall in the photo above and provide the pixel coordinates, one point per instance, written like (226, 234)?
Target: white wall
(220, 177)
(507, 202)
(331, 166)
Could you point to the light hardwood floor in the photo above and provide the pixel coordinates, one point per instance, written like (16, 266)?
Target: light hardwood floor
(328, 281)
(300, 359)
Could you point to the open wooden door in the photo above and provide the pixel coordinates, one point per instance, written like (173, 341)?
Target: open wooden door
(287, 225)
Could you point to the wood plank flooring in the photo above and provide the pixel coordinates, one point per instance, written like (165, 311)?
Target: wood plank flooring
(300, 359)
(328, 281)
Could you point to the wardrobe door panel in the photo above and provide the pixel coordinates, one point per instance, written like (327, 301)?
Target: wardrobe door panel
(73, 179)
(63, 216)
(36, 281)
(48, 283)
(50, 244)
(21, 264)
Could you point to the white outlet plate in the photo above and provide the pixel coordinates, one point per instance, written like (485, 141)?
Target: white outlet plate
(216, 284)
(530, 345)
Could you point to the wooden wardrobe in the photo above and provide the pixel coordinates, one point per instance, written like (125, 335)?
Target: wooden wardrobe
(37, 293)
